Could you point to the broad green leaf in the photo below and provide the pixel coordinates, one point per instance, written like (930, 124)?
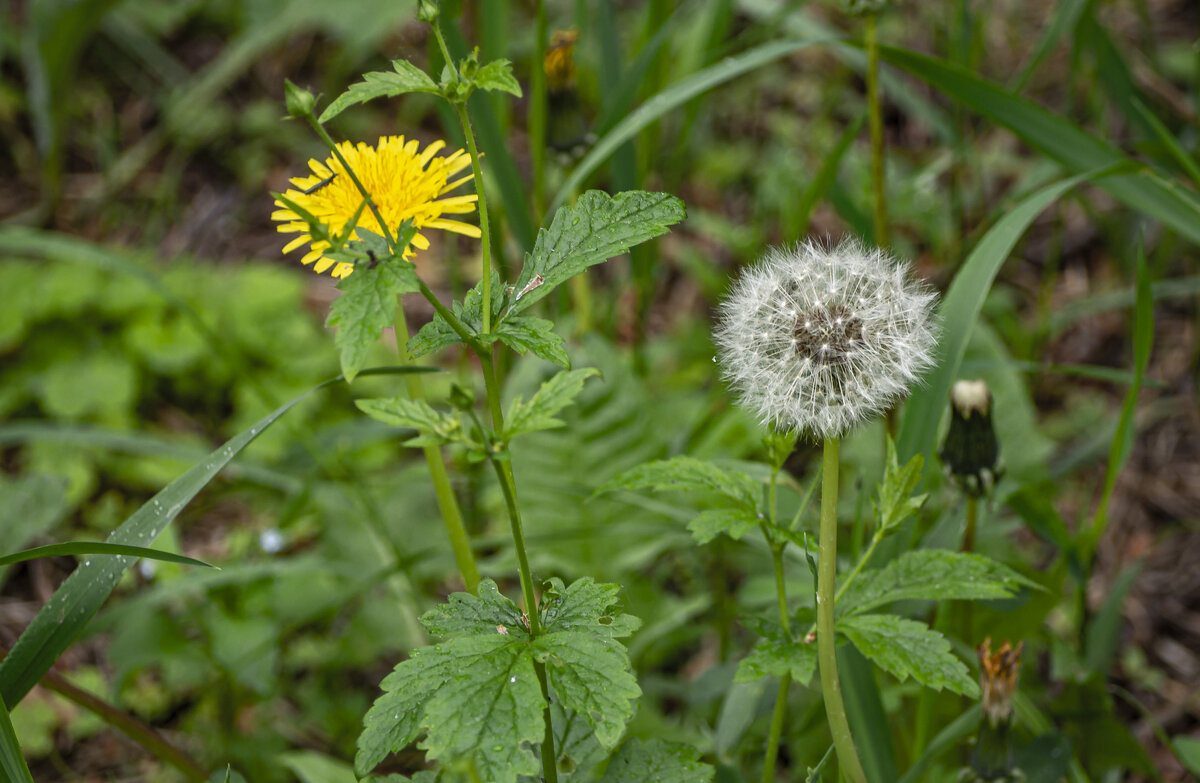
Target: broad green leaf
(586, 605)
(593, 230)
(464, 614)
(99, 548)
(933, 575)
(525, 333)
(733, 522)
(1145, 191)
(86, 589)
(960, 307)
(366, 306)
(434, 427)
(497, 75)
(657, 760)
(313, 767)
(592, 677)
(896, 500)
(688, 474)
(1187, 750)
(668, 100)
(775, 656)
(489, 709)
(553, 395)
(404, 78)
(908, 648)
(12, 761)
(396, 718)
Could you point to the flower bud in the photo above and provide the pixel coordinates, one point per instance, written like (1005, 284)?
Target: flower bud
(992, 758)
(428, 10)
(300, 102)
(971, 453)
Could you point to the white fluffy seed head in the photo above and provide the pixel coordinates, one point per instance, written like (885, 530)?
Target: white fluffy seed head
(819, 340)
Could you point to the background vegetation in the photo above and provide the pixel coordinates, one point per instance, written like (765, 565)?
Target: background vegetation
(146, 315)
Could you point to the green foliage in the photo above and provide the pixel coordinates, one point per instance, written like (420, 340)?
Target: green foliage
(657, 760)
(95, 548)
(525, 333)
(688, 474)
(497, 75)
(896, 499)
(539, 412)
(12, 761)
(908, 648)
(434, 427)
(933, 575)
(403, 78)
(476, 695)
(775, 655)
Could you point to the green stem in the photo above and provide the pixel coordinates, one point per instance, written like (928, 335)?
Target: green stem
(508, 486)
(968, 544)
(875, 118)
(537, 111)
(777, 716)
(484, 233)
(329, 142)
(831, 689)
(441, 42)
(447, 503)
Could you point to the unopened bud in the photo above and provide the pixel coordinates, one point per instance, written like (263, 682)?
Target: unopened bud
(971, 453)
(428, 10)
(300, 102)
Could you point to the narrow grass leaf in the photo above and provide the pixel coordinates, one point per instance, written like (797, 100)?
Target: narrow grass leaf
(668, 100)
(85, 590)
(950, 737)
(99, 548)
(868, 721)
(12, 761)
(1143, 191)
(960, 308)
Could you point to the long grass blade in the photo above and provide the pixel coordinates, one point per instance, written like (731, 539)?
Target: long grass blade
(960, 308)
(99, 548)
(85, 590)
(12, 762)
(669, 99)
(1143, 191)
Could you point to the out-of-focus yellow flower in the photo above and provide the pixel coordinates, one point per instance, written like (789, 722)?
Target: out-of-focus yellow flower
(405, 184)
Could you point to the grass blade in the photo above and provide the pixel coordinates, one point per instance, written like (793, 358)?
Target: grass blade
(949, 737)
(85, 590)
(669, 99)
(868, 721)
(1143, 191)
(12, 762)
(99, 548)
(960, 308)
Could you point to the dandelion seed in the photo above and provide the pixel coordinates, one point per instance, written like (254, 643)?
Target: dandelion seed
(404, 184)
(819, 340)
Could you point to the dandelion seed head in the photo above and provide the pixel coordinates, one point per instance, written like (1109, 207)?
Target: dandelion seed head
(819, 340)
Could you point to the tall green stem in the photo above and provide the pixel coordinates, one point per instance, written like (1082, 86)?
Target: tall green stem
(447, 503)
(831, 689)
(485, 237)
(509, 487)
(875, 114)
(537, 111)
(785, 682)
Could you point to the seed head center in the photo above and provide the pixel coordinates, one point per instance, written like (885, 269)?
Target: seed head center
(827, 335)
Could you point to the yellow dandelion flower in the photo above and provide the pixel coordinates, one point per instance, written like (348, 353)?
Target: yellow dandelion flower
(405, 184)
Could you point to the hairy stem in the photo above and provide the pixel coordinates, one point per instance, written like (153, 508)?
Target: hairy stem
(785, 682)
(875, 119)
(485, 238)
(447, 503)
(831, 689)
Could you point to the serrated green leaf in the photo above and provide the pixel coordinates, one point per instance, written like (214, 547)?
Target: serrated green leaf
(688, 474)
(366, 306)
(908, 648)
(525, 333)
(490, 708)
(733, 522)
(464, 614)
(896, 501)
(380, 84)
(586, 605)
(590, 676)
(933, 575)
(395, 719)
(438, 333)
(657, 760)
(775, 656)
(99, 548)
(497, 75)
(434, 427)
(593, 230)
(550, 398)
